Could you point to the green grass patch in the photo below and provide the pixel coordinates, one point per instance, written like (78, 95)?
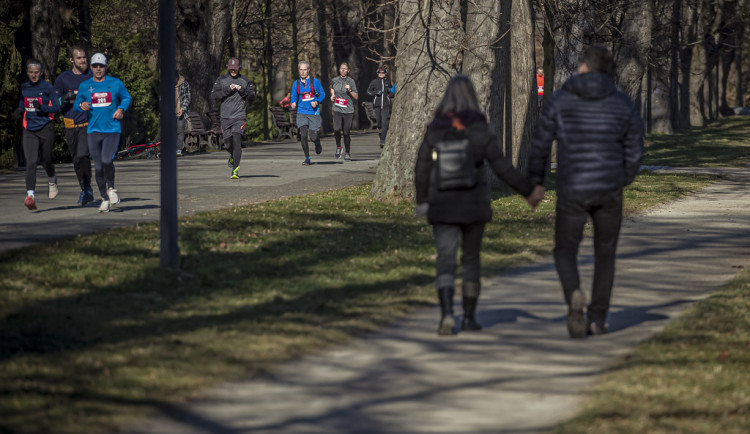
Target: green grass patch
(94, 333)
(692, 377)
(722, 144)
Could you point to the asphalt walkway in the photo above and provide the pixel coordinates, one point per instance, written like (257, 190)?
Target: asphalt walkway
(521, 374)
(268, 171)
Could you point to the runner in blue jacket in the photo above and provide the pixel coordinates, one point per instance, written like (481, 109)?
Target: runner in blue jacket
(307, 95)
(38, 104)
(104, 99)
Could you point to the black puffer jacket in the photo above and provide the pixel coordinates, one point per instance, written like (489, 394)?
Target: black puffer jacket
(467, 205)
(599, 137)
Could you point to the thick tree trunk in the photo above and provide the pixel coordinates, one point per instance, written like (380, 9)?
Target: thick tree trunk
(429, 38)
(268, 61)
(676, 110)
(632, 48)
(203, 27)
(46, 22)
(295, 34)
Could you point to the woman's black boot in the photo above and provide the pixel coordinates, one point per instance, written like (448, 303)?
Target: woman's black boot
(446, 308)
(470, 292)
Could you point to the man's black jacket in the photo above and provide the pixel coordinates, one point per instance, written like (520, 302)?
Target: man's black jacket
(599, 137)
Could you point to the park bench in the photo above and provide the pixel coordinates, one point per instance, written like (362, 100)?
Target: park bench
(284, 127)
(196, 132)
(215, 137)
(370, 112)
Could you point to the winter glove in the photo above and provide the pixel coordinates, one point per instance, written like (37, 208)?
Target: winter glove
(422, 209)
(37, 105)
(70, 96)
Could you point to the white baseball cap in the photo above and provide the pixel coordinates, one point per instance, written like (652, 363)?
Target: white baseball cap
(99, 58)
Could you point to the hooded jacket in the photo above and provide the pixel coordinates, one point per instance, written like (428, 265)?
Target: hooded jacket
(465, 205)
(599, 137)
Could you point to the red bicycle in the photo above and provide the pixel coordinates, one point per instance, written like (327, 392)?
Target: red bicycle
(144, 150)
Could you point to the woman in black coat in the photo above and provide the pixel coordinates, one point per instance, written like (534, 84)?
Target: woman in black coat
(461, 211)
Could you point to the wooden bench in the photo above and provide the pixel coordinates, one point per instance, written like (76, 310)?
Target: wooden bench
(284, 127)
(196, 132)
(215, 137)
(370, 112)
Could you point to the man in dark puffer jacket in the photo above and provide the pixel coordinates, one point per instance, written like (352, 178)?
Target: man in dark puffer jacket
(599, 137)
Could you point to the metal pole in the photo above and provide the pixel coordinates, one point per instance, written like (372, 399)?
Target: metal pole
(169, 253)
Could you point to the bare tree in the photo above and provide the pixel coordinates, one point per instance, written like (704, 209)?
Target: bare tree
(429, 41)
(46, 22)
(203, 27)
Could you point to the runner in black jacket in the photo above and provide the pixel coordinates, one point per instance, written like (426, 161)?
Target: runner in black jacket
(380, 90)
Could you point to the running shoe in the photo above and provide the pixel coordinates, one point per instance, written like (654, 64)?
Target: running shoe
(88, 196)
(104, 207)
(382, 144)
(81, 197)
(53, 190)
(347, 157)
(29, 202)
(114, 199)
(318, 147)
(179, 152)
(338, 153)
(230, 163)
(236, 173)
(307, 162)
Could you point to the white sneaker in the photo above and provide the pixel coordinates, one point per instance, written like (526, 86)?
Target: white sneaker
(53, 191)
(114, 199)
(104, 207)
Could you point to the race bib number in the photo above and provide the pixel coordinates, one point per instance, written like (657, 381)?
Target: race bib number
(307, 96)
(540, 89)
(101, 99)
(28, 103)
(341, 102)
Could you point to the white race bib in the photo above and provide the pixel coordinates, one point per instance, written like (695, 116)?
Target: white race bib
(101, 99)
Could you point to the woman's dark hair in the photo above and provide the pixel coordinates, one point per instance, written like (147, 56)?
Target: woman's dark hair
(459, 97)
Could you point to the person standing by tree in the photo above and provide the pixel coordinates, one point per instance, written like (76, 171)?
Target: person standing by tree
(182, 104)
(38, 105)
(600, 137)
(104, 99)
(539, 86)
(458, 204)
(75, 122)
(307, 95)
(233, 89)
(343, 94)
(380, 90)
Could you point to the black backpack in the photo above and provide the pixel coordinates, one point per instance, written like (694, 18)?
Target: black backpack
(453, 165)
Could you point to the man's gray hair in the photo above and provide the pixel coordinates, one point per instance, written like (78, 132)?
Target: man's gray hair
(303, 62)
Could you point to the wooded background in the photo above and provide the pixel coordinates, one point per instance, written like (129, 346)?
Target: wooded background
(680, 60)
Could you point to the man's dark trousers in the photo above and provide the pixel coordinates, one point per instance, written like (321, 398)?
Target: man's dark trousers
(605, 209)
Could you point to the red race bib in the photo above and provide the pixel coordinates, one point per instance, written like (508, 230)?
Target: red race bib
(28, 103)
(101, 99)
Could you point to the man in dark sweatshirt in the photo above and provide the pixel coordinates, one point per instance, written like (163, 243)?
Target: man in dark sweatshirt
(233, 89)
(600, 139)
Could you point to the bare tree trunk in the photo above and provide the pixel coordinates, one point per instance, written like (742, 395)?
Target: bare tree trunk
(325, 65)
(632, 48)
(739, 101)
(295, 33)
(235, 46)
(573, 20)
(203, 27)
(46, 22)
(676, 109)
(269, 70)
(84, 23)
(429, 38)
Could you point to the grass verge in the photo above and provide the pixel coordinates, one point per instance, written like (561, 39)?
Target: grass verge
(93, 333)
(693, 377)
(724, 143)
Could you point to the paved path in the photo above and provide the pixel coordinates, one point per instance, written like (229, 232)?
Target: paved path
(522, 373)
(268, 171)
